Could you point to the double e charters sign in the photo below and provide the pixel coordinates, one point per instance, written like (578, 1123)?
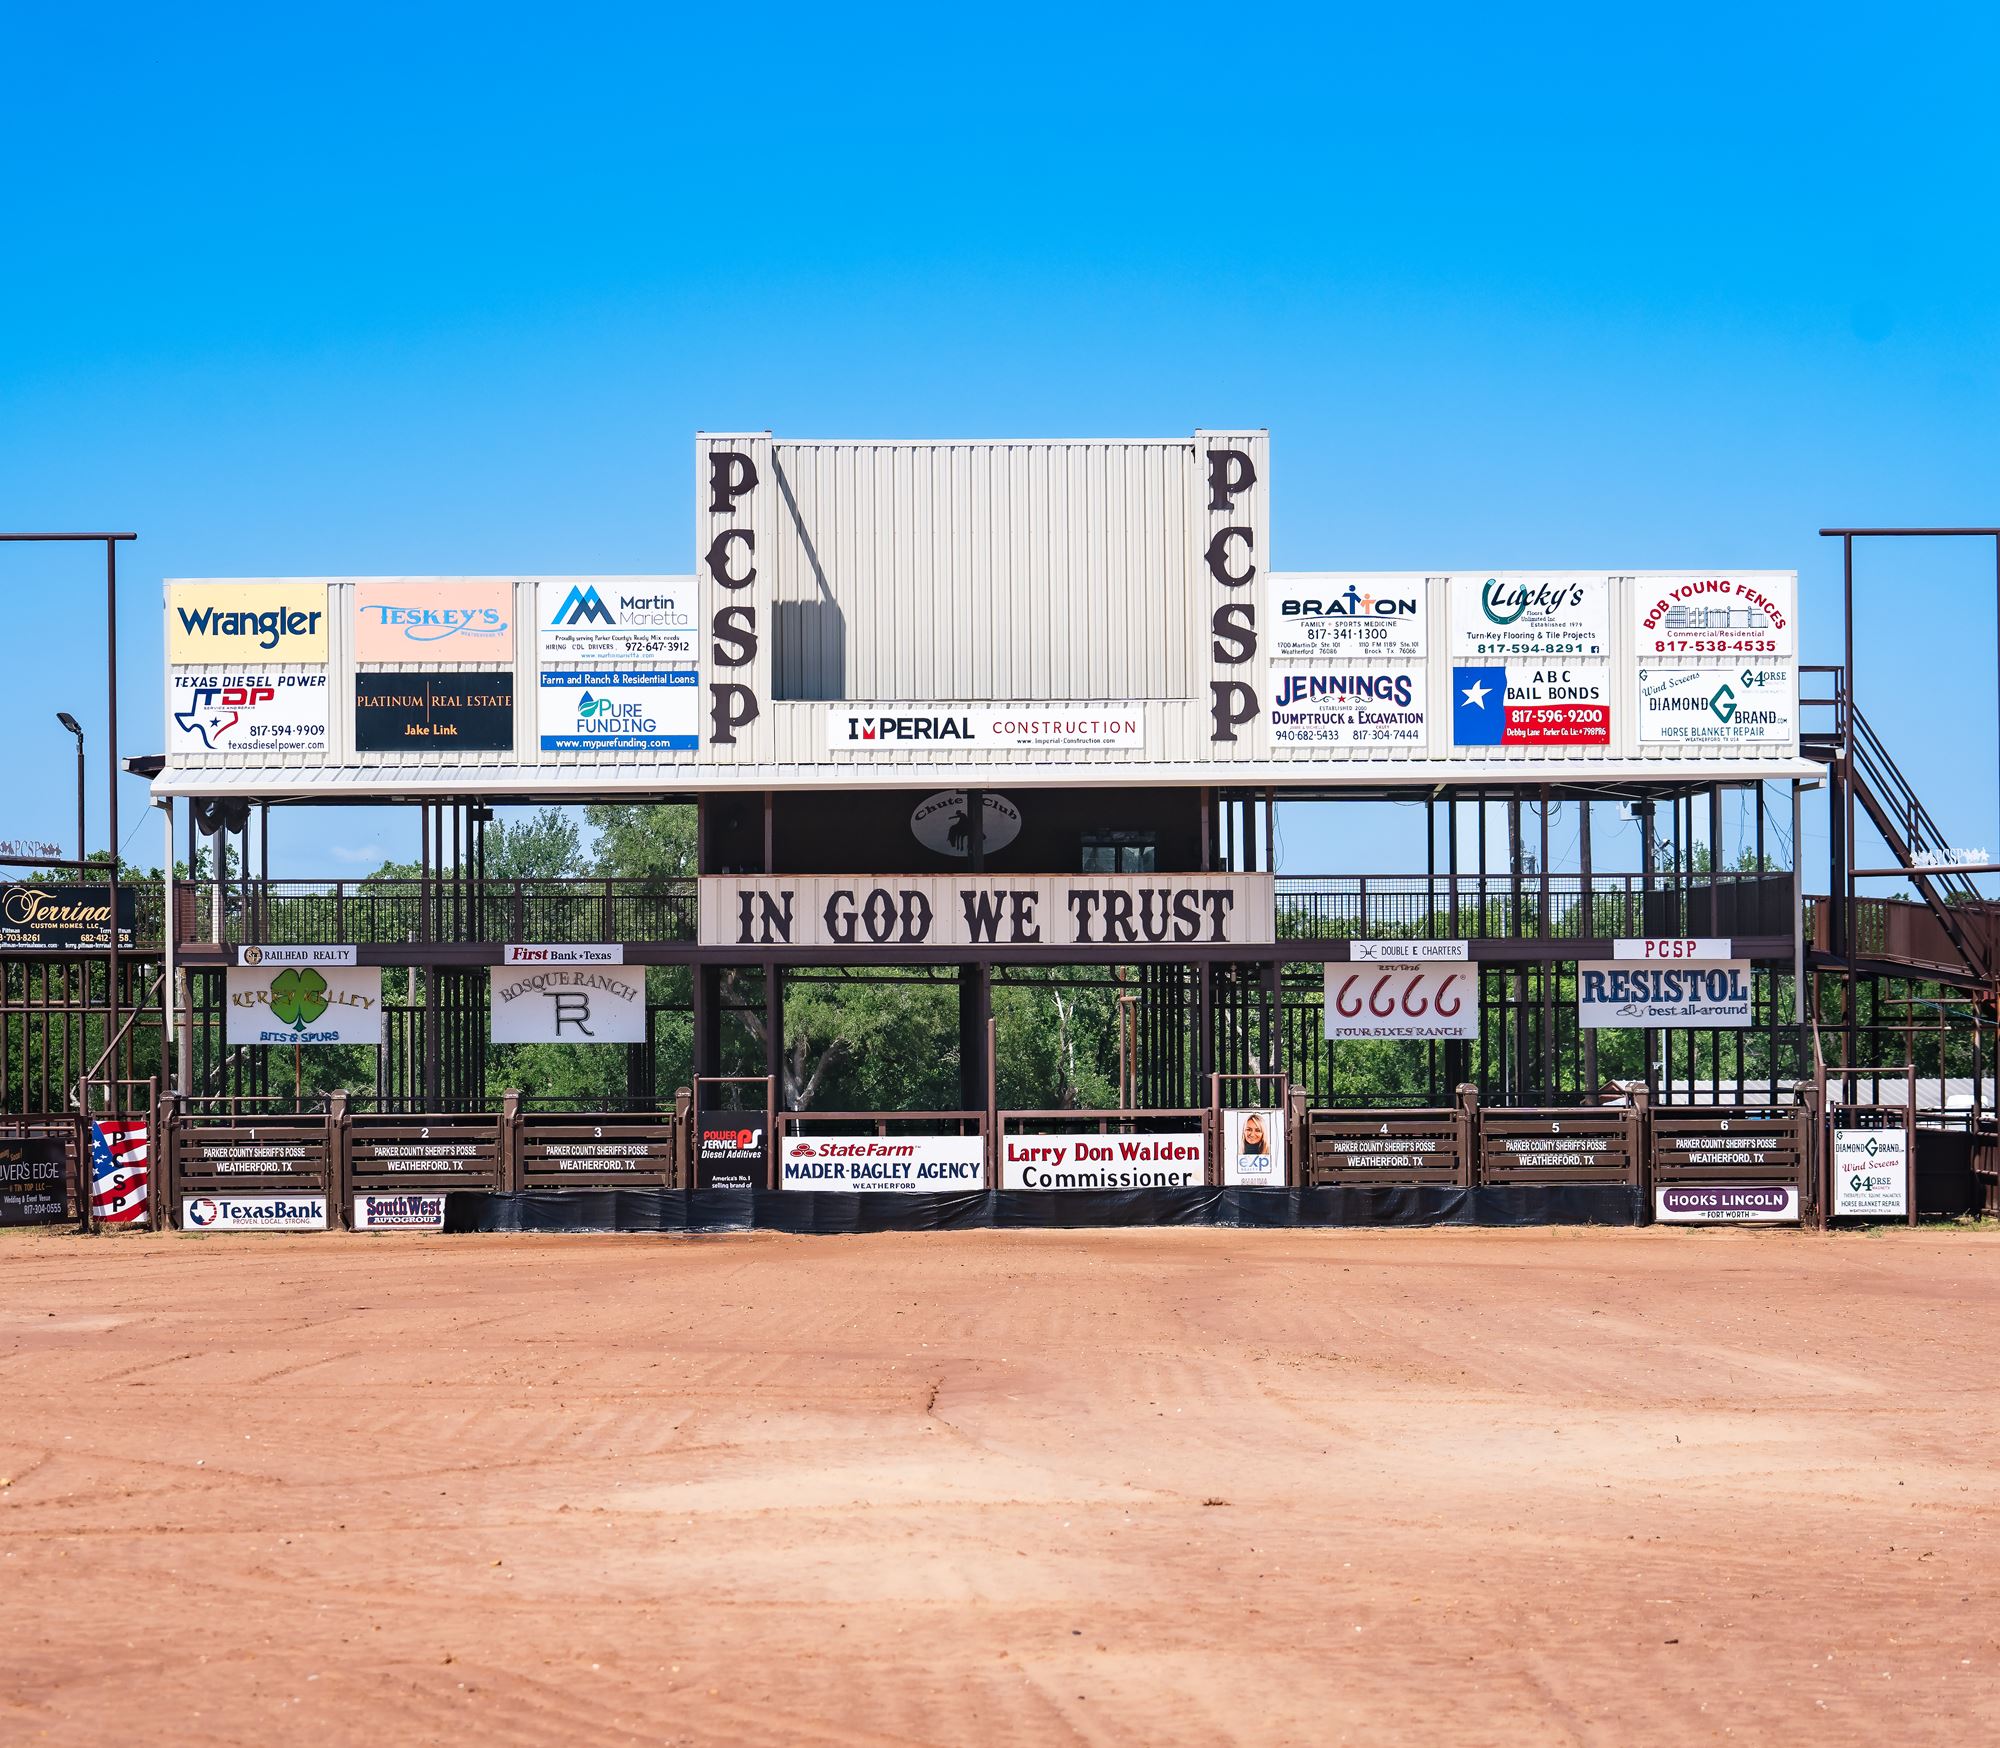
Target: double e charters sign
(973, 910)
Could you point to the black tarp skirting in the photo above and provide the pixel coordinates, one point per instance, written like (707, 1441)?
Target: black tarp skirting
(829, 1211)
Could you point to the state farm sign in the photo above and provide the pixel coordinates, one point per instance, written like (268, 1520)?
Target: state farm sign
(944, 910)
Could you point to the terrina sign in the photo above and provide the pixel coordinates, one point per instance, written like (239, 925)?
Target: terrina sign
(909, 1164)
(32, 915)
(1612, 994)
(945, 910)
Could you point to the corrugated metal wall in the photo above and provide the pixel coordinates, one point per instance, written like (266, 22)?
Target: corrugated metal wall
(985, 571)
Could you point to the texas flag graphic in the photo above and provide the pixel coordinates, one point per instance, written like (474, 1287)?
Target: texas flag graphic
(1479, 707)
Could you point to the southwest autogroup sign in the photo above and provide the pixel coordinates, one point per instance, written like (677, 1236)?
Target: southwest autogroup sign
(1100, 910)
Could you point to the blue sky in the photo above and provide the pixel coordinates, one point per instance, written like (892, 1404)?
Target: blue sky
(350, 290)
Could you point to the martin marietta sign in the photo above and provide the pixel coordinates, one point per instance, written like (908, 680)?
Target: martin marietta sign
(1040, 910)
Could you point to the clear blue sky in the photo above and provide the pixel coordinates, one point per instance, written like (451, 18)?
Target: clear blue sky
(353, 289)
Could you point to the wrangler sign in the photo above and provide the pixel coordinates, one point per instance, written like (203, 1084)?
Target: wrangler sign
(1040, 910)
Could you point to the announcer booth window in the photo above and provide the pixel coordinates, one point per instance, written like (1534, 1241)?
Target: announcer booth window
(1121, 852)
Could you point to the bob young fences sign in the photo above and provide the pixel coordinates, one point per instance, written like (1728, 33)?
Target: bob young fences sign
(941, 910)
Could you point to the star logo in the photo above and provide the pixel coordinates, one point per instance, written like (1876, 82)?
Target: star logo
(1476, 694)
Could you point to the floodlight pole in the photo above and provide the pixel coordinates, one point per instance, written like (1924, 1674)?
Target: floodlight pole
(111, 765)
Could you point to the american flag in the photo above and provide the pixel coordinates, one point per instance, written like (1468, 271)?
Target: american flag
(118, 1171)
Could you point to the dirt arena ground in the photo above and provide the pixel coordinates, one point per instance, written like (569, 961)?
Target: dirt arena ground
(1106, 1488)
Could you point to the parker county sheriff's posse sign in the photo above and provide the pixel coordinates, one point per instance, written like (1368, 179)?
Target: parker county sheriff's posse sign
(942, 910)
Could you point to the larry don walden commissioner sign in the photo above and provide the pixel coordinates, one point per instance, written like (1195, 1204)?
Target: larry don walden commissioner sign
(1081, 612)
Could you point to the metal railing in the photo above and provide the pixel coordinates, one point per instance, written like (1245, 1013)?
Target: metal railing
(301, 912)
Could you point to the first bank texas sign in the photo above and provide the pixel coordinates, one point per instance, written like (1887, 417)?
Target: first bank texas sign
(972, 910)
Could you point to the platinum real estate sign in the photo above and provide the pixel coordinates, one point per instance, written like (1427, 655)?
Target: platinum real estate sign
(972, 910)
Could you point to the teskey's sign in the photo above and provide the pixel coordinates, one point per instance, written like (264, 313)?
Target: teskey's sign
(943, 910)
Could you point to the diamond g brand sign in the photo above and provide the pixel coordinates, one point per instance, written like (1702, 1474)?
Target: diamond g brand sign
(304, 1004)
(1613, 994)
(1743, 706)
(569, 1004)
(1871, 1173)
(616, 619)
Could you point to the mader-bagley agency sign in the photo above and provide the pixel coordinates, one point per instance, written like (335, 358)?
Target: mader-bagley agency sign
(944, 910)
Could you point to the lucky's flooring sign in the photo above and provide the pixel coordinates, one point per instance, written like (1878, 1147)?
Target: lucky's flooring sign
(910, 1164)
(305, 1004)
(946, 910)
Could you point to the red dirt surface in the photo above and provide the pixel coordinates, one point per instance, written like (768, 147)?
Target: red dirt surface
(1106, 1488)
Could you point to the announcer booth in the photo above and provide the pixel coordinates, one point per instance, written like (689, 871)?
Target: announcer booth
(1406, 895)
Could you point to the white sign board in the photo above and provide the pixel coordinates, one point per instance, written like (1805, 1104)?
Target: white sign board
(258, 711)
(1530, 616)
(568, 1004)
(907, 1164)
(1697, 1204)
(412, 1212)
(965, 910)
(616, 619)
(1362, 616)
(605, 710)
(1253, 1149)
(279, 955)
(1612, 992)
(1554, 704)
(1746, 617)
(564, 953)
(1363, 709)
(304, 1004)
(221, 1213)
(943, 728)
(1714, 706)
(1103, 1162)
(1871, 1173)
(1671, 949)
(1409, 952)
(1401, 1001)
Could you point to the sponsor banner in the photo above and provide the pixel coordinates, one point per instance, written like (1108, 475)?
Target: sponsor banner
(1671, 949)
(1103, 1162)
(1746, 706)
(944, 727)
(441, 712)
(258, 710)
(646, 710)
(567, 953)
(1871, 1173)
(1531, 706)
(1745, 617)
(941, 822)
(731, 1150)
(229, 625)
(1409, 952)
(1724, 1204)
(33, 1186)
(910, 1164)
(1363, 709)
(569, 1004)
(1253, 1149)
(1614, 993)
(35, 915)
(394, 1213)
(253, 1213)
(1369, 616)
(297, 955)
(1531, 616)
(304, 1004)
(433, 621)
(966, 910)
(615, 619)
(1401, 1001)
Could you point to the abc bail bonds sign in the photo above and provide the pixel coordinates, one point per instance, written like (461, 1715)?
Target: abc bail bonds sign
(942, 910)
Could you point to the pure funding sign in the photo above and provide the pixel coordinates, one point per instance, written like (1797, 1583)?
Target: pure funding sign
(943, 910)
(908, 1165)
(645, 710)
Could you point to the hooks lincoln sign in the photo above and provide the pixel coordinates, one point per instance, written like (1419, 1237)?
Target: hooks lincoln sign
(941, 910)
